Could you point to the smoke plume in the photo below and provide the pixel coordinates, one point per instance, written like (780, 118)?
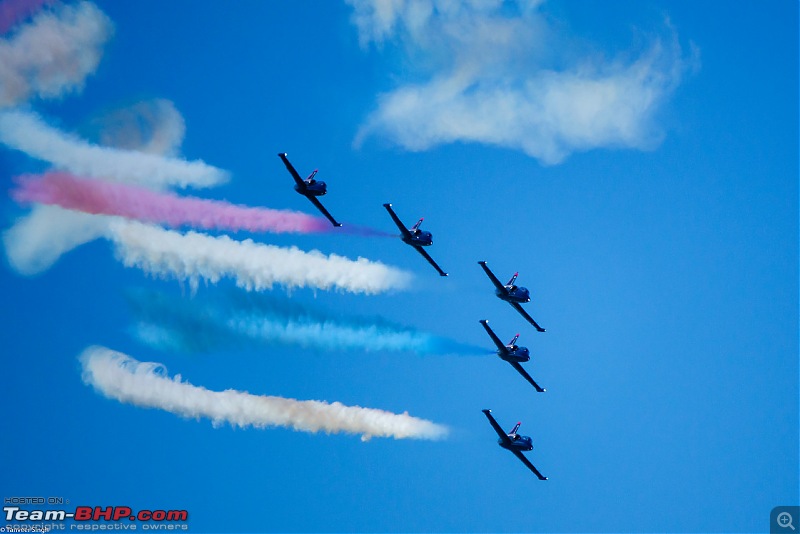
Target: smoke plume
(147, 385)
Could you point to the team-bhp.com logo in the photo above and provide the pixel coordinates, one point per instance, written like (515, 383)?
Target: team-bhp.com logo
(95, 518)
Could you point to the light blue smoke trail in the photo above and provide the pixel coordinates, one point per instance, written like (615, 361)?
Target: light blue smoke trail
(200, 324)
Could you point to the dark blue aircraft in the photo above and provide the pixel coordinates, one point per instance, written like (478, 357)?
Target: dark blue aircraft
(513, 354)
(415, 237)
(512, 294)
(514, 443)
(309, 188)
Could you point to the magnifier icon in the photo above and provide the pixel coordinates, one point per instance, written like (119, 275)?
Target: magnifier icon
(785, 520)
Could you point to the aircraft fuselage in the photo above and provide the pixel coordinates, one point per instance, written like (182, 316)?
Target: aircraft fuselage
(315, 188)
(419, 238)
(514, 294)
(515, 354)
(519, 443)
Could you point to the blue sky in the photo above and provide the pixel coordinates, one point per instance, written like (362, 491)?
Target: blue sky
(653, 215)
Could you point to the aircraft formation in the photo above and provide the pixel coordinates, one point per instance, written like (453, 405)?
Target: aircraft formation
(509, 292)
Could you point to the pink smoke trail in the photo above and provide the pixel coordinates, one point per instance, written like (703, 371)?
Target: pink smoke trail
(107, 198)
(14, 11)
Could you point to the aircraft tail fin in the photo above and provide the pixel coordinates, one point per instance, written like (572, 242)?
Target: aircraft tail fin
(513, 341)
(513, 279)
(312, 175)
(514, 431)
(416, 226)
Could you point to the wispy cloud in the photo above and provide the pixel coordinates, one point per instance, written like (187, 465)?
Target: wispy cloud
(147, 385)
(240, 320)
(27, 132)
(485, 72)
(53, 54)
(253, 266)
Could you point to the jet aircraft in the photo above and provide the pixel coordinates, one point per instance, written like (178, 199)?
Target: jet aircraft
(415, 237)
(309, 188)
(514, 443)
(512, 294)
(513, 354)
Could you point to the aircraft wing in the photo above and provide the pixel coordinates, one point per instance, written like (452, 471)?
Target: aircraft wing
(500, 431)
(492, 277)
(430, 260)
(402, 227)
(500, 345)
(322, 209)
(291, 170)
(527, 462)
(526, 316)
(521, 370)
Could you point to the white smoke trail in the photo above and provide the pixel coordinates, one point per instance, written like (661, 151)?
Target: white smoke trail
(30, 134)
(146, 384)
(193, 256)
(53, 54)
(37, 240)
